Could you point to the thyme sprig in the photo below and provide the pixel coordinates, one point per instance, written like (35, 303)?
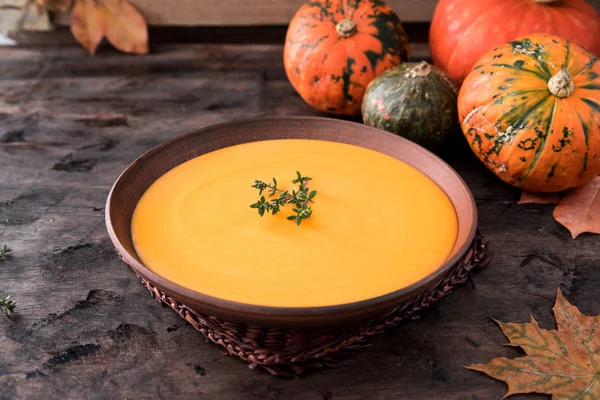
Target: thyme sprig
(4, 250)
(278, 198)
(6, 304)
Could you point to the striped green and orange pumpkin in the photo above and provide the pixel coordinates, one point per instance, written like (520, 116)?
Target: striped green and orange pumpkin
(335, 48)
(530, 110)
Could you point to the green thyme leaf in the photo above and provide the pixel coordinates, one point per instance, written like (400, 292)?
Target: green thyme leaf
(4, 250)
(6, 304)
(298, 198)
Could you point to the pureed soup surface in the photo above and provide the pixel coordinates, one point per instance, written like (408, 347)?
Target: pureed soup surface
(378, 225)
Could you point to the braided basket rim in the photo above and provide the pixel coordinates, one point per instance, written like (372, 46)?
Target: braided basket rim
(294, 352)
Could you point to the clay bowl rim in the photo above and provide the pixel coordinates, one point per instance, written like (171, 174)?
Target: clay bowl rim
(274, 312)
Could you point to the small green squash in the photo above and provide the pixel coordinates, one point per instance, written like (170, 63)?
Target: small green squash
(413, 100)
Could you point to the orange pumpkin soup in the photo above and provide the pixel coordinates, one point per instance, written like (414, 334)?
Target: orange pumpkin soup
(377, 225)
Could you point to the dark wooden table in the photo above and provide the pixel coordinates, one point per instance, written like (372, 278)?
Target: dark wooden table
(86, 328)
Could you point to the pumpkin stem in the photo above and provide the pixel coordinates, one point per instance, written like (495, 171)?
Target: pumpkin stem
(346, 28)
(561, 85)
(423, 69)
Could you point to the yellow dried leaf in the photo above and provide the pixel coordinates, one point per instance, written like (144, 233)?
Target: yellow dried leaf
(117, 20)
(87, 24)
(564, 363)
(125, 27)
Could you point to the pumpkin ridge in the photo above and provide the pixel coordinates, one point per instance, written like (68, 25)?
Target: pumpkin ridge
(595, 106)
(466, 33)
(577, 14)
(323, 10)
(586, 133)
(441, 81)
(354, 7)
(341, 9)
(587, 66)
(590, 86)
(582, 9)
(517, 125)
(524, 116)
(519, 69)
(346, 74)
(434, 101)
(540, 149)
(499, 100)
(373, 58)
(315, 44)
(567, 55)
(387, 36)
(449, 83)
(520, 47)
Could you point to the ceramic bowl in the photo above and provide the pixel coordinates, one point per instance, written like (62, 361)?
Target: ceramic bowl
(136, 179)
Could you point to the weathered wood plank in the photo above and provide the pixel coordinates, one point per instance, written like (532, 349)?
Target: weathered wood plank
(86, 328)
(254, 13)
(243, 12)
(68, 61)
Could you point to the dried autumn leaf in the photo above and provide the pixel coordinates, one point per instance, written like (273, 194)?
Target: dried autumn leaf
(579, 209)
(539, 198)
(564, 363)
(125, 28)
(87, 24)
(55, 5)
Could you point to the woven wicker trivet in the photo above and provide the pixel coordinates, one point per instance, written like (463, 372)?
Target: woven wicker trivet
(294, 352)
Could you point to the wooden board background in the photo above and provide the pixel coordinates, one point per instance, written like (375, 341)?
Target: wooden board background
(251, 12)
(258, 12)
(85, 327)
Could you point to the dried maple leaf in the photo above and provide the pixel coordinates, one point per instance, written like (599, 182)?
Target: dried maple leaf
(125, 28)
(87, 25)
(539, 198)
(579, 209)
(564, 363)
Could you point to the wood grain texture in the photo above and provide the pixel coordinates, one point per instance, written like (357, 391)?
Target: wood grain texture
(244, 12)
(263, 12)
(86, 328)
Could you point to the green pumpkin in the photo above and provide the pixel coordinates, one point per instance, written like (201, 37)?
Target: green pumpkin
(413, 100)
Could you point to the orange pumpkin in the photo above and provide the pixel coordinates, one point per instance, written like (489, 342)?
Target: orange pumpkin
(462, 30)
(530, 110)
(335, 48)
